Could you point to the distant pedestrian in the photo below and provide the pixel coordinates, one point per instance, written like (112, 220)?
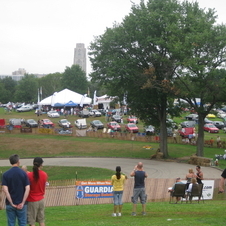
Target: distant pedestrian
(118, 181)
(139, 188)
(16, 186)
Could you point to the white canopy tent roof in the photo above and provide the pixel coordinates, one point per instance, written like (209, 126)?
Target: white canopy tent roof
(64, 96)
(105, 100)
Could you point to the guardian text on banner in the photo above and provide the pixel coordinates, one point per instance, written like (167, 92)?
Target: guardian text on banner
(93, 189)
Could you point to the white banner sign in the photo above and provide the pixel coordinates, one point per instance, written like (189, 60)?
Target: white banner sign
(208, 187)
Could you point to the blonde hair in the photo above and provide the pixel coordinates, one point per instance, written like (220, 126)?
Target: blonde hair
(190, 171)
(193, 180)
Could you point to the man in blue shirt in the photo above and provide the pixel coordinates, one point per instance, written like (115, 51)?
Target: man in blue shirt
(139, 188)
(16, 186)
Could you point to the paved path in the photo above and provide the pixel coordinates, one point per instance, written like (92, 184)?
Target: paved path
(154, 169)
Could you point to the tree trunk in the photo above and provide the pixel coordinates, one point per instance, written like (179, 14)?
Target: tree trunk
(163, 135)
(200, 140)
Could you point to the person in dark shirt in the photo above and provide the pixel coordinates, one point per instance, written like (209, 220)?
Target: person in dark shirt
(199, 175)
(139, 188)
(16, 186)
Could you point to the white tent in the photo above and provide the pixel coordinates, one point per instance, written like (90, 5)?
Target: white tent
(65, 96)
(105, 100)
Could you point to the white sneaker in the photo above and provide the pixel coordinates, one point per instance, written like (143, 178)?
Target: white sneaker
(119, 214)
(114, 215)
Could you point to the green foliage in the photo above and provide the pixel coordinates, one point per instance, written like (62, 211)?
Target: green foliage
(50, 83)
(139, 57)
(7, 90)
(27, 89)
(74, 78)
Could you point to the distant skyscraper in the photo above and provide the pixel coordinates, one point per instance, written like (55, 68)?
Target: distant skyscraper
(80, 56)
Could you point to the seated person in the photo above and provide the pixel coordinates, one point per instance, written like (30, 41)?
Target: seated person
(189, 176)
(171, 189)
(193, 181)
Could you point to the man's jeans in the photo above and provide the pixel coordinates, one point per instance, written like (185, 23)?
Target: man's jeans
(13, 213)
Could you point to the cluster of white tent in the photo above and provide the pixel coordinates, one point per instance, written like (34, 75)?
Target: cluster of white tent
(68, 98)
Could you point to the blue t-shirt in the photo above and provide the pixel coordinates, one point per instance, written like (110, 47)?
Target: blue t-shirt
(139, 178)
(16, 180)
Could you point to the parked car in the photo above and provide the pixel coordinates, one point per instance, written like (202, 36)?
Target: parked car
(46, 123)
(116, 118)
(31, 123)
(64, 123)
(83, 113)
(188, 124)
(192, 117)
(132, 119)
(2, 123)
(114, 126)
(211, 116)
(185, 132)
(170, 123)
(219, 124)
(16, 122)
(97, 124)
(207, 121)
(169, 131)
(132, 128)
(81, 123)
(221, 114)
(24, 108)
(211, 128)
(95, 113)
(149, 130)
(53, 114)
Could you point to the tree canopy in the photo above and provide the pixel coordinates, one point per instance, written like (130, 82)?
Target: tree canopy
(141, 57)
(74, 78)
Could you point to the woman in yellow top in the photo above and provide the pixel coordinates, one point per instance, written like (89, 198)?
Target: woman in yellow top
(118, 181)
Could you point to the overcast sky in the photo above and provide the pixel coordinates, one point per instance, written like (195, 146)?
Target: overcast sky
(40, 35)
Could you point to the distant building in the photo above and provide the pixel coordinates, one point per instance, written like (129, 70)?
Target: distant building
(20, 71)
(19, 74)
(80, 56)
(14, 77)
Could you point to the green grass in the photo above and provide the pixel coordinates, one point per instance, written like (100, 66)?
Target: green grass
(69, 172)
(210, 213)
(158, 213)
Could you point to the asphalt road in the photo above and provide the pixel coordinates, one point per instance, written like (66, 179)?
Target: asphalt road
(154, 169)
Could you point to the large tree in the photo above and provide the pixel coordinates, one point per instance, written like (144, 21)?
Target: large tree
(139, 57)
(50, 84)
(74, 78)
(201, 79)
(27, 89)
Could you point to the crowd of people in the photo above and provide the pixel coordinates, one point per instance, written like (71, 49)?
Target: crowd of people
(24, 192)
(191, 179)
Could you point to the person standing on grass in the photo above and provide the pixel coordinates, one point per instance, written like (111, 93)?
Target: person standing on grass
(139, 188)
(38, 180)
(118, 181)
(16, 186)
(221, 185)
